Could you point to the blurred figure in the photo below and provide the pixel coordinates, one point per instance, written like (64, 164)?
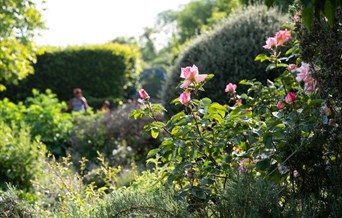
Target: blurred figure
(78, 103)
(105, 106)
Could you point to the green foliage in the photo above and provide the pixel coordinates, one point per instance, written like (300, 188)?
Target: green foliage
(101, 71)
(322, 45)
(43, 114)
(314, 9)
(228, 52)
(140, 203)
(12, 206)
(116, 136)
(20, 157)
(19, 22)
(195, 17)
(296, 146)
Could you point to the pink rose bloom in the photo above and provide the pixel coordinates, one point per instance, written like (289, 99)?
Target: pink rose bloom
(230, 88)
(143, 94)
(282, 36)
(291, 67)
(280, 105)
(310, 85)
(290, 97)
(184, 98)
(303, 72)
(191, 74)
(270, 43)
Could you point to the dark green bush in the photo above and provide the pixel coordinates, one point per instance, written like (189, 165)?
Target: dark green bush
(228, 51)
(101, 71)
(20, 157)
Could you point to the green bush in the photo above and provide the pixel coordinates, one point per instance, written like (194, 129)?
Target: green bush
(113, 134)
(20, 157)
(228, 51)
(42, 113)
(101, 71)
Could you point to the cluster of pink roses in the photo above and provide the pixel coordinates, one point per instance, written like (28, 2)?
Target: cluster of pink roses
(191, 76)
(289, 98)
(304, 75)
(279, 39)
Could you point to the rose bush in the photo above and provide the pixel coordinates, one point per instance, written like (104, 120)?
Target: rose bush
(273, 132)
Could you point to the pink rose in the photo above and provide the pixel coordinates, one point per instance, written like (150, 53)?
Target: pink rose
(191, 74)
(184, 98)
(291, 67)
(230, 88)
(270, 43)
(310, 85)
(282, 36)
(303, 72)
(280, 105)
(290, 97)
(143, 94)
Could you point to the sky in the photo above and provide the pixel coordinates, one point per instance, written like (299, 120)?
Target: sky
(76, 22)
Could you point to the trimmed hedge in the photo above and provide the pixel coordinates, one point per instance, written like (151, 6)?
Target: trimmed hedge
(101, 71)
(228, 52)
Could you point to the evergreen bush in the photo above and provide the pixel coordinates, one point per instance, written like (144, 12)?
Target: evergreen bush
(228, 51)
(101, 71)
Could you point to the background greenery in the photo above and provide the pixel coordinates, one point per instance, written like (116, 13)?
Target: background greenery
(228, 52)
(108, 71)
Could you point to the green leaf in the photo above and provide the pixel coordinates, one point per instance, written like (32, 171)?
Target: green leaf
(154, 132)
(175, 101)
(152, 152)
(209, 77)
(262, 58)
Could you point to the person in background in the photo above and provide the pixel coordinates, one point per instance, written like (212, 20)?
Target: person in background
(78, 103)
(105, 106)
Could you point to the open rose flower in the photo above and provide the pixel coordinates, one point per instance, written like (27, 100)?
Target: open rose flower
(270, 43)
(282, 36)
(303, 72)
(305, 76)
(290, 97)
(184, 98)
(143, 94)
(191, 74)
(230, 88)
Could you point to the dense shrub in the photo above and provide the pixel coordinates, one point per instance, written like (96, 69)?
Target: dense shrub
(113, 134)
(228, 51)
(20, 157)
(42, 113)
(102, 71)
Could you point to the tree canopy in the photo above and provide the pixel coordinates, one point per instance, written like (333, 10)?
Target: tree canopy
(20, 20)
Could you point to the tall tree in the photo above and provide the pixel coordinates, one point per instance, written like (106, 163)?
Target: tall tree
(20, 20)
